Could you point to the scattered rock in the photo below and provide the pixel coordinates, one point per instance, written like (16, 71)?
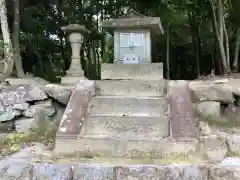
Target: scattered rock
(22, 106)
(8, 113)
(20, 94)
(209, 91)
(24, 125)
(46, 107)
(59, 92)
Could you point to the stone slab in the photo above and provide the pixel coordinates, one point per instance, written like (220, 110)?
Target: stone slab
(130, 87)
(91, 146)
(128, 126)
(93, 171)
(152, 71)
(123, 105)
(68, 80)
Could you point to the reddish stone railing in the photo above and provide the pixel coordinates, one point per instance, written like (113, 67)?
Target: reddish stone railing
(183, 120)
(76, 111)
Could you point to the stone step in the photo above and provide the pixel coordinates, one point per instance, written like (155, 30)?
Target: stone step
(152, 71)
(95, 146)
(131, 87)
(128, 126)
(124, 105)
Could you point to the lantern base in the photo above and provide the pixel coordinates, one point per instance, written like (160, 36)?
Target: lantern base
(68, 80)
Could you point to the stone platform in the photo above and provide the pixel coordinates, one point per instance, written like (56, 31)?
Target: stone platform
(152, 71)
(128, 116)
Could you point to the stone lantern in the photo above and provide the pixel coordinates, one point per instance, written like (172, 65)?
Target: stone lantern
(76, 36)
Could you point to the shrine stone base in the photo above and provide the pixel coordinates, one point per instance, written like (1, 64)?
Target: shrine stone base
(129, 114)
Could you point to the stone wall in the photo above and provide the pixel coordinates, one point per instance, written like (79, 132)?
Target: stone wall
(217, 97)
(22, 99)
(21, 169)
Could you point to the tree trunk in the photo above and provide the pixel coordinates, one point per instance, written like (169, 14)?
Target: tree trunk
(235, 62)
(8, 60)
(218, 26)
(16, 44)
(226, 46)
(168, 53)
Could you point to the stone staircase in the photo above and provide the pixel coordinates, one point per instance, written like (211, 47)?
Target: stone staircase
(129, 114)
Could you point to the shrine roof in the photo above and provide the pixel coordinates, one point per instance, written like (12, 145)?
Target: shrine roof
(134, 20)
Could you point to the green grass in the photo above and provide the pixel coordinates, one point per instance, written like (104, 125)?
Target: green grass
(42, 132)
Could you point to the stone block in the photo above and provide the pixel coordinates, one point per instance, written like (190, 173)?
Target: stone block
(15, 169)
(233, 142)
(120, 105)
(182, 172)
(45, 171)
(115, 147)
(128, 126)
(209, 108)
(139, 172)
(210, 91)
(131, 87)
(93, 171)
(152, 71)
(228, 169)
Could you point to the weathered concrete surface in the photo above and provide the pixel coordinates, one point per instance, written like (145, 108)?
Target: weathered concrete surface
(183, 121)
(145, 88)
(121, 105)
(125, 127)
(152, 71)
(93, 145)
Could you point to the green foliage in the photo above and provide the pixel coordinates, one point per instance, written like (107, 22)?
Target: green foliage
(190, 22)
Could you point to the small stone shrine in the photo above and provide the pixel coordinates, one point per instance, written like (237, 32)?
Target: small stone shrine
(132, 36)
